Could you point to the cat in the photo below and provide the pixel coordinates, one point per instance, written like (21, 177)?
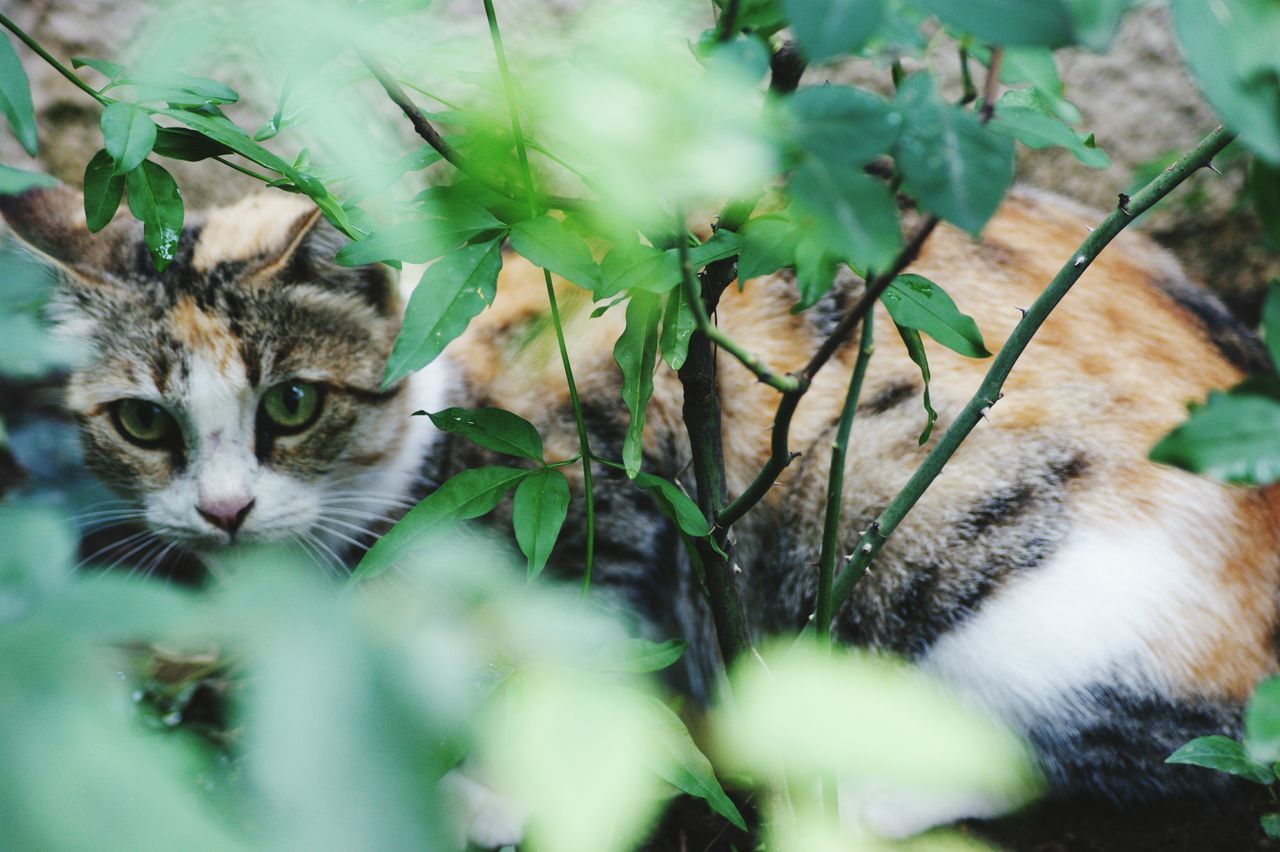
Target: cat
(1107, 608)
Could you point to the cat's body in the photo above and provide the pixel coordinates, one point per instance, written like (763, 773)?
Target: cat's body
(1108, 608)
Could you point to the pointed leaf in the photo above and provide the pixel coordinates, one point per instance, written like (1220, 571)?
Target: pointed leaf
(414, 241)
(641, 655)
(470, 494)
(635, 353)
(541, 505)
(915, 349)
(637, 267)
(181, 143)
(1035, 129)
(916, 302)
(721, 245)
(1223, 754)
(103, 189)
(450, 293)
(675, 504)
(843, 126)
(815, 273)
(110, 70)
(768, 244)
(548, 243)
(1271, 322)
(17, 181)
(1232, 437)
(830, 28)
(678, 325)
(15, 97)
(856, 217)
(156, 202)
(1044, 22)
(499, 430)
(128, 134)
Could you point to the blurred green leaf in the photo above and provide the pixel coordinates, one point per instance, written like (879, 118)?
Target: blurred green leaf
(637, 267)
(17, 181)
(154, 200)
(915, 349)
(1035, 129)
(1234, 437)
(678, 325)
(1263, 189)
(720, 245)
(1006, 22)
(15, 97)
(635, 354)
(110, 70)
(178, 89)
(675, 504)
(414, 241)
(763, 16)
(1271, 322)
(181, 143)
(1223, 754)
(916, 302)
(103, 189)
(685, 767)
(1229, 45)
(815, 272)
(499, 430)
(467, 495)
(842, 126)
(128, 133)
(450, 293)
(830, 28)
(953, 165)
(1262, 722)
(640, 655)
(1096, 21)
(541, 505)
(768, 244)
(546, 242)
(1271, 825)
(855, 215)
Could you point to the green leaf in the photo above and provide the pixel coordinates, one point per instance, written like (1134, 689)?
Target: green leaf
(15, 97)
(815, 272)
(103, 189)
(856, 219)
(1006, 22)
(682, 765)
(953, 165)
(637, 267)
(470, 494)
(181, 143)
(1263, 189)
(548, 243)
(17, 181)
(182, 90)
(829, 28)
(415, 241)
(1271, 322)
(1271, 825)
(1262, 722)
(110, 70)
(762, 16)
(1230, 47)
(768, 244)
(1034, 129)
(541, 505)
(1223, 754)
(128, 133)
(154, 200)
(842, 126)
(916, 302)
(1234, 437)
(640, 655)
(1096, 21)
(675, 504)
(678, 325)
(635, 354)
(915, 349)
(494, 428)
(721, 245)
(450, 293)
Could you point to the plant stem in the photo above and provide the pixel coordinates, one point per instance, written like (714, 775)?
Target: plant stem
(988, 392)
(584, 446)
(703, 421)
(250, 172)
(728, 26)
(835, 480)
(30, 42)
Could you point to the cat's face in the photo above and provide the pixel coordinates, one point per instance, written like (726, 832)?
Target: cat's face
(236, 396)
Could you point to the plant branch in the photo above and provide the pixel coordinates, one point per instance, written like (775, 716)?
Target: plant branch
(30, 42)
(584, 445)
(728, 25)
(993, 79)
(988, 392)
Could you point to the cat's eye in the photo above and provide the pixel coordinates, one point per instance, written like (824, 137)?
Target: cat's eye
(290, 407)
(143, 422)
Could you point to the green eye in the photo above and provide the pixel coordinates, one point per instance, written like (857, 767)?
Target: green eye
(143, 422)
(290, 406)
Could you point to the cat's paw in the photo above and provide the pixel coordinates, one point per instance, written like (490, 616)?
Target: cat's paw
(482, 817)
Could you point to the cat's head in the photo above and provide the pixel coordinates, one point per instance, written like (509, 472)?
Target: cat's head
(237, 395)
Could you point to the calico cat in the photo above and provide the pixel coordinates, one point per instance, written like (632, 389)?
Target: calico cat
(1106, 607)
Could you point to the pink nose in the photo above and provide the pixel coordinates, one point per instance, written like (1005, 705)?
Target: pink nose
(226, 515)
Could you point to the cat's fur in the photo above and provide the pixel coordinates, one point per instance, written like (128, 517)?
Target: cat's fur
(1107, 607)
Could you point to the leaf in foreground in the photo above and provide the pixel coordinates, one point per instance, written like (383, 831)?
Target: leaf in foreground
(128, 134)
(1262, 722)
(15, 97)
(635, 353)
(916, 302)
(1223, 754)
(495, 428)
(1234, 437)
(103, 189)
(915, 349)
(154, 200)
(549, 243)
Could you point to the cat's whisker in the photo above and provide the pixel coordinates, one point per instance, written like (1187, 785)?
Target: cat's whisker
(348, 539)
(356, 513)
(151, 538)
(337, 565)
(124, 542)
(362, 530)
(158, 560)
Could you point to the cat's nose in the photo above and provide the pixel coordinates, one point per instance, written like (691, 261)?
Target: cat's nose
(226, 515)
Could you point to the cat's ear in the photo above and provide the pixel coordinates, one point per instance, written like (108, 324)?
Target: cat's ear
(51, 221)
(284, 240)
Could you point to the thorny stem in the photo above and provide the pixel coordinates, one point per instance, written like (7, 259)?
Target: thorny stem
(584, 446)
(988, 392)
(26, 39)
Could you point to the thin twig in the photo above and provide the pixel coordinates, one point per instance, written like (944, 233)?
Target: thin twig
(30, 42)
(988, 392)
(728, 25)
(993, 79)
